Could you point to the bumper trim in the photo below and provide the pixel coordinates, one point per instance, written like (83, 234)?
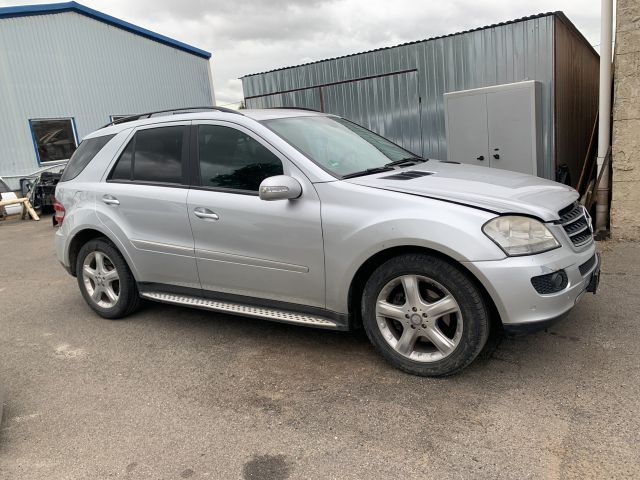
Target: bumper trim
(515, 329)
(592, 286)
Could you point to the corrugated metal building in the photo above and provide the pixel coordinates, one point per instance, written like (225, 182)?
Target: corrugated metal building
(399, 91)
(66, 70)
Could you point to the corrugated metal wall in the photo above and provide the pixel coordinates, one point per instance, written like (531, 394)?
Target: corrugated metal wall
(494, 55)
(68, 65)
(576, 85)
(388, 105)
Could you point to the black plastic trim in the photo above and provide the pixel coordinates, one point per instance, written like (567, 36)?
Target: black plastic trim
(531, 327)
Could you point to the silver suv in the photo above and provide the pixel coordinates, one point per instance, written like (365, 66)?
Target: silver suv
(306, 218)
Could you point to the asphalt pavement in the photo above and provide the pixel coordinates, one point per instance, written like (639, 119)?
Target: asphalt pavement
(179, 393)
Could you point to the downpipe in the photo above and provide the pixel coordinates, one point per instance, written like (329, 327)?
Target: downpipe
(604, 124)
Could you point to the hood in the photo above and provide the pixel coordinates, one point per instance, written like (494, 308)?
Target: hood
(492, 189)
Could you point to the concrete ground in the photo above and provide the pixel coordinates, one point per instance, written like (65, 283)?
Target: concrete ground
(178, 393)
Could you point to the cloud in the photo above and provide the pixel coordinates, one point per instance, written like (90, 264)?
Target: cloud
(249, 36)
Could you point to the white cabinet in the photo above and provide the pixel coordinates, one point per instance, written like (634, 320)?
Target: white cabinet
(496, 127)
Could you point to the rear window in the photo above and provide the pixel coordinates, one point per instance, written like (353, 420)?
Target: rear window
(153, 155)
(83, 155)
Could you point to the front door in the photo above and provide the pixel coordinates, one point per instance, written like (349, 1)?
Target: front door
(246, 246)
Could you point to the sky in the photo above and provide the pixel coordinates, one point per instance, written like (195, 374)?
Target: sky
(251, 36)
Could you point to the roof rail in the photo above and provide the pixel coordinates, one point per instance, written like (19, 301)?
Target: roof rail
(295, 108)
(172, 111)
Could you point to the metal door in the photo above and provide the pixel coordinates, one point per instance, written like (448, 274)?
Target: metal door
(495, 126)
(388, 105)
(510, 127)
(467, 134)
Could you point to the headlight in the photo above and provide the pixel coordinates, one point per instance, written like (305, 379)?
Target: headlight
(520, 235)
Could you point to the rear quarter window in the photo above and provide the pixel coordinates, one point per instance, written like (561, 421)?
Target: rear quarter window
(85, 152)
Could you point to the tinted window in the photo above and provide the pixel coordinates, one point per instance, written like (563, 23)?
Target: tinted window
(122, 170)
(232, 159)
(158, 155)
(83, 155)
(155, 155)
(54, 139)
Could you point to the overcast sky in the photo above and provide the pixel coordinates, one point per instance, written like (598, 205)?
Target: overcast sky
(250, 36)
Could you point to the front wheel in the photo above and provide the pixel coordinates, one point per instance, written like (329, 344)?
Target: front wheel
(105, 280)
(424, 315)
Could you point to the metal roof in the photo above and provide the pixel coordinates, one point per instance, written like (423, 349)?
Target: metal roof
(53, 8)
(558, 14)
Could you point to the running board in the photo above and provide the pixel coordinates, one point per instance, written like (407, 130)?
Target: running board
(244, 310)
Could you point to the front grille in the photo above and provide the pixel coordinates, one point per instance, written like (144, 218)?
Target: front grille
(588, 265)
(550, 283)
(576, 223)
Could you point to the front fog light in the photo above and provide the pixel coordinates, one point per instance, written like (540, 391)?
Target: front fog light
(517, 235)
(551, 282)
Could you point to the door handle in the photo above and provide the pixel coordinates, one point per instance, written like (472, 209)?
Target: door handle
(481, 157)
(110, 200)
(205, 213)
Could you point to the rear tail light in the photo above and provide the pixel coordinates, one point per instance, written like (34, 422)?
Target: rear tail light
(59, 212)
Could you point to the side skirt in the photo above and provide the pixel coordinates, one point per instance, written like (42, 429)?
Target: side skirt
(247, 307)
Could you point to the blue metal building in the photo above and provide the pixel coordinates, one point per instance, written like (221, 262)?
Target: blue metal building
(66, 70)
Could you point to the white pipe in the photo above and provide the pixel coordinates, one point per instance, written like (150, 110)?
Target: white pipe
(604, 115)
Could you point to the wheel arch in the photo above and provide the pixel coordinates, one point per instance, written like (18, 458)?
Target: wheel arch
(365, 270)
(84, 235)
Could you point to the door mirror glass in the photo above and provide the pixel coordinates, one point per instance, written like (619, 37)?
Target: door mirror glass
(280, 187)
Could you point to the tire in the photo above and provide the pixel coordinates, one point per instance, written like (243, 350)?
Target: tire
(446, 336)
(123, 297)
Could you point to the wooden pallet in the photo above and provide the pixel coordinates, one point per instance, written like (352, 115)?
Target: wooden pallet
(26, 207)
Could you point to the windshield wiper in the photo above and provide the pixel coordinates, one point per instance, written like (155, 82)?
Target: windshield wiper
(402, 161)
(369, 171)
(387, 166)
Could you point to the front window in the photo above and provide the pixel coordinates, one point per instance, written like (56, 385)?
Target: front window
(338, 145)
(54, 139)
(233, 160)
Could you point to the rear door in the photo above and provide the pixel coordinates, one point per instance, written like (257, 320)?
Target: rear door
(244, 245)
(144, 203)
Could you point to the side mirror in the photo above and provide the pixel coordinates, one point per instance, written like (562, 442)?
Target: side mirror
(280, 187)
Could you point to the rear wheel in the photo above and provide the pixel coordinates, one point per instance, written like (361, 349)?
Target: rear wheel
(105, 280)
(424, 315)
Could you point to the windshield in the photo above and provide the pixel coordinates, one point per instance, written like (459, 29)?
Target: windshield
(338, 145)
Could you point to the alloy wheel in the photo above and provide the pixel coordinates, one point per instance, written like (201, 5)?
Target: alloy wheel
(101, 279)
(419, 318)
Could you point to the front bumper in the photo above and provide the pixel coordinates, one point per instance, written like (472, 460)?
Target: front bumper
(522, 309)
